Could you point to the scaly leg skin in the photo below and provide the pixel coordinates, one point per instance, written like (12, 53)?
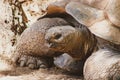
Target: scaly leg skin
(33, 62)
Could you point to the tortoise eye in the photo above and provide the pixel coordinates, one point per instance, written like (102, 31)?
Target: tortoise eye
(57, 36)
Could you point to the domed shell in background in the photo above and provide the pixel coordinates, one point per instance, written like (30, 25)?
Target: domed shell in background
(97, 20)
(107, 31)
(113, 12)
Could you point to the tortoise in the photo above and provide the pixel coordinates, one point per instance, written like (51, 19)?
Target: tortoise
(31, 45)
(31, 48)
(91, 13)
(103, 21)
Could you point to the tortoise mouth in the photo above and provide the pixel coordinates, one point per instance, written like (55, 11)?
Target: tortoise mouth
(61, 46)
(56, 46)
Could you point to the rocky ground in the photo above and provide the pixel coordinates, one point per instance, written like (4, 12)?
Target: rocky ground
(41, 74)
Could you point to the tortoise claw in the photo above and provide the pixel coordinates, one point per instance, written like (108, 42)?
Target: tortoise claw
(33, 62)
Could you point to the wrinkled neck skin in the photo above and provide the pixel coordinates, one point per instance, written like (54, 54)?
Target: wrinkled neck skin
(84, 43)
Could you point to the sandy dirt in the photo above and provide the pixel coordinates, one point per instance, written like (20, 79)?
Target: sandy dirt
(41, 74)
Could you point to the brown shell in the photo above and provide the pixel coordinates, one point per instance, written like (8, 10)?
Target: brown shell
(100, 4)
(106, 30)
(110, 7)
(113, 12)
(96, 20)
(84, 14)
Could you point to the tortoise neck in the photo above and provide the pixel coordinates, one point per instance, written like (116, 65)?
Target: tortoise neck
(85, 43)
(89, 42)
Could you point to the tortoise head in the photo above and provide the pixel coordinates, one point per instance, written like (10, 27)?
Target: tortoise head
(60, 38)
(78, 42)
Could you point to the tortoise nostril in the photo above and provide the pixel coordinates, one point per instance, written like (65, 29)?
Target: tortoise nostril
(57, 36)
(47, 39)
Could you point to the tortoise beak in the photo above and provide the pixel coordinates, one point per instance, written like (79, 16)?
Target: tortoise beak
(47, 39)
(50, 44)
